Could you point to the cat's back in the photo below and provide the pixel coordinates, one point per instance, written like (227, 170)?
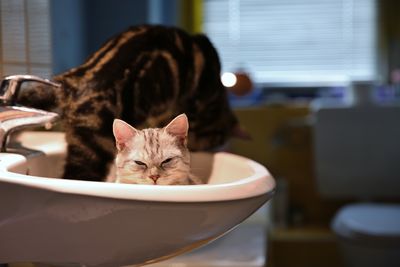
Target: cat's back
(129, 50)
(160, 34)
(154, 37)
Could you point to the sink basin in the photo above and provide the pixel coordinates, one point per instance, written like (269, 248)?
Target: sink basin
(69, 222)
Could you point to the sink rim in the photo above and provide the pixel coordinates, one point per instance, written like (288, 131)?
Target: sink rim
(261, 182)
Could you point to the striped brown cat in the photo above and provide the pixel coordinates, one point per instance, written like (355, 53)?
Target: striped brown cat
(145, 76)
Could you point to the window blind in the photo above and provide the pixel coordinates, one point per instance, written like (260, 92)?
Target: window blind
(25, 40)
(284, 41)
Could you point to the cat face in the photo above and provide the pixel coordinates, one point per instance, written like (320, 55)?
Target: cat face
(152, 156)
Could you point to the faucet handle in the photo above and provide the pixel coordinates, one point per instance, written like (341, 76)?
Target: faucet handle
(10, 86)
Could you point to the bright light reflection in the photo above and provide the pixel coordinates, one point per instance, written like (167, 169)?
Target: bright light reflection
(228, 79)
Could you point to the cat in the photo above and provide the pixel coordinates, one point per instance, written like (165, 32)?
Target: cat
(145, 76)
(153, 155)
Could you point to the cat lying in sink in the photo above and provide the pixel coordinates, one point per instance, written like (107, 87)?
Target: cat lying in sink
(156, 156)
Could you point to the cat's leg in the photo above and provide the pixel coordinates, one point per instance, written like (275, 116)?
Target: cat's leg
(89, 155)
(38, 96)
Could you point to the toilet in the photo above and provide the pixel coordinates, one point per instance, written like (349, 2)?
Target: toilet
(369, 234)
(357, 157)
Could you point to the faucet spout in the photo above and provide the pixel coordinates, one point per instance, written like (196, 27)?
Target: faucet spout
(13, 117)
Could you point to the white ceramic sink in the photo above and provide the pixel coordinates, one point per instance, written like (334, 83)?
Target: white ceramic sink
(68, 222)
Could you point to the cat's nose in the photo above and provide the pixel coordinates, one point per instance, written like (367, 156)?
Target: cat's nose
(154, 177)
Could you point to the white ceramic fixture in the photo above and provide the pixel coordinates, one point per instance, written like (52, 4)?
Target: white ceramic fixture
(68, 222)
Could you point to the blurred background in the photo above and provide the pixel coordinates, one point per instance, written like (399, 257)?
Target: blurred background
(316, 83)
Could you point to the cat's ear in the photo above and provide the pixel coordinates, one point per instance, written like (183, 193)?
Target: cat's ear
(179, 127)
(123, 133)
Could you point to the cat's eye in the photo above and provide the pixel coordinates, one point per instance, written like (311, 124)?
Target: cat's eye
(166, 161)
(140, 163)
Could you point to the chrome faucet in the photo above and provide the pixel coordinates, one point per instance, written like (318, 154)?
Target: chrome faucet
(14, 117)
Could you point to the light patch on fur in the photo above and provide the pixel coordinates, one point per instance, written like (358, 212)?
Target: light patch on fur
(91, 120)
(171, 63)
(111, 53)
(175, 72)
(178, 42)
(169, 106)
(198, 65)
(107, 47)
(95, 56)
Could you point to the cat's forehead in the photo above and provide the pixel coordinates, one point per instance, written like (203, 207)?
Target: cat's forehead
(154, 145)
(154, 137)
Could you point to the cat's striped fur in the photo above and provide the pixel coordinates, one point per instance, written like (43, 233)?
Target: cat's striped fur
(145, 76)
(153, 155)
